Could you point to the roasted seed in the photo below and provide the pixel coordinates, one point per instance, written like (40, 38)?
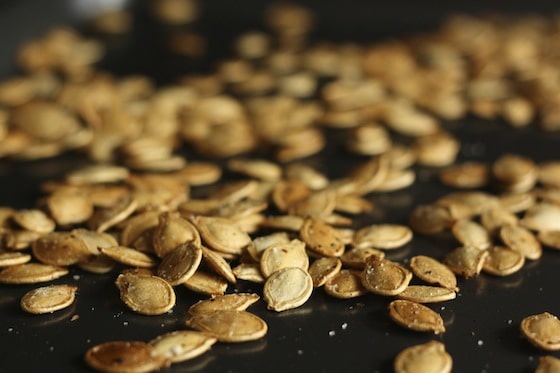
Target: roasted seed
(384, 277)
(415, 316)
(427, 357)
(48, 299)
(287, 288)
(542, 330)
(229, 325)
(124, 356)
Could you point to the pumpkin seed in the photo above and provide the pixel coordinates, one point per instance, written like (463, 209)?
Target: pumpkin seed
(229, 325)
(287, 288)
(470, 233)
(145, 294)
(60, 249)
(321, 238)
(496, 217)
(48, 299)
(548, 364)
(221, 234)
(356, 257)
(415, 316)
(180, 264)
(382, 236)
(232, 302)
(323, 269)
(466, 175)
(10, 258)
(249, 272)
(206, 283)
(383, 277)
(218, 264)
(31, 273)
(281, 256)
(128, 256)
(104, 218)
(542, 217)
(172, 231)
(426, 294)
(427, 357)
(345, 284)
(434, 272)
(466, 261)
(182, 345)
(550, 239)
(542, 330)
(124, 356)
(514, 173)
(521, 240)
(34, 220)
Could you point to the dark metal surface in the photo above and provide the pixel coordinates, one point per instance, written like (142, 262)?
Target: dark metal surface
(324, 335)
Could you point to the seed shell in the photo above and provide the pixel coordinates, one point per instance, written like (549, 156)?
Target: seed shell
(426, 294)
(356, 257)
(206, 283)
(550, 239)
(60, 249)
(218, 264)
(11, 258)
(321, 238)
(434, 272)
(548, 364)
(503, 261)
(222, 234)
(428, 357)
(345, 284)
(383, 277)
(31, 273)
(466, 261)
(146, 294)
(521, 240)
(323, 269)
(382, 236)
(542, 330)
(232, 302)
(128, 256)
(229, 325)
(276, 257)
(124, 357)
(287, 288)
(415, 316)
(180, 264)
(182, 345)
(470, 233)
(48, 299)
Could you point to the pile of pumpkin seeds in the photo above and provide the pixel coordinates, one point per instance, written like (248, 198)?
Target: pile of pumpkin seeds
(281, 223)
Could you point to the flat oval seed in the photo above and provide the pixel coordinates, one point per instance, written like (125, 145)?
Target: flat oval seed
(104, 218)
(287, 288)
(345, 284)
(11, 258)
(434, 272)
(542, 330)
(428, 357)
(249, 272)
(548, 364)
(34, 220)
(503, 261)
(515, 173)
(415, 316)
(230, 326)
(180, 264)
(382, 236)
(466, 261)
(172, 231)
(430, 219)
(182, 345)
(145, 294)
(356, 257)
(542, 217)
(470, 233)
(48, 299)
(222, 234)
(31, 273)
(384, 277)
(276, 257)
(124, 357)
(60, 249)
(466, 175)
(218, 264)
(234, 302)
(98, 174)
(323, 269)
(550, 239)
(321, 238)
(426, 294)
(496, 217)
(128, 256)
(521, 240)
(206, 283)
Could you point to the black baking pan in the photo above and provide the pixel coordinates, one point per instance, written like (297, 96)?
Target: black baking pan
(325, 334)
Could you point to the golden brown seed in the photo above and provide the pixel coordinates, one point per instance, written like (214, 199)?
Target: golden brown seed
(351, 204)
(384, 277)
(542, 330)
(436, 150)
(323, 269)
(345, 284)
(287, 288)
(321, 238)
(70, 207)
(466, 261)
(430, 219)
(548, 364)
(467, 204)
(221, 234)
(31, 273)
(232, 302)
(434, 272)
(48, 299)
(415, 316)
(34, 220)
(206, 283)
(137, 225)
(60, 249)
(145, 294)
(426, 294)
(317, 204)
(382, 236)
(98, 264)
(172, 231)
(104, 218)
(356, 257)
(514, 173)
(249, 272)
(260, 244)
(229, 325)
(19, 240)
(466, 175)
(470, 233)
(11, 258)
(549, 174)
(284, 222)
(396, 179)
(542, 217)
(516, 202)
(503, 261)
(124, 357)
(427, 357)
(180, 264)
(521, 240)
(276, 257)
(256, 168)
(94, 240)
(98, 174)
(200, 173)
(182, 345)
(128, 256)
(218, 264)
(550, 239)
(307, 175)
(496, 217)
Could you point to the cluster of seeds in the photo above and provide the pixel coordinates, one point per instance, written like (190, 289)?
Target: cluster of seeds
(163, 222)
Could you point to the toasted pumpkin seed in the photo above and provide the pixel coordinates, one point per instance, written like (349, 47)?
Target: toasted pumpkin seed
(249, 272)
(430, 219)
(550, 239)
(60, 248)
(229, 325)
(34, 220)
(427, 357)
(470, 233)
(434, 272)
(104, 218)
(426, 294)
(356, 257)
(172, 231)
(321, 238)
(70, 208)
(548, 364)
(145, 294)
(466, 261)
(98, 174)
(496, 217)
(11, 258)
(503, 261)
(31, 273)
(128, 256)
(383, 277)
(345, 284)
(218, 264)
(323, 269)
(182, 345)
(281, 256)
(48, 299)
(542, 217)
(234, 302)
(415, 316)
(206, 283)
(382, 236)
(287, 288)
(221, 234)
(180, 263)
(515, 173)
(521, 240)
(124, 356)
(466, 175)
(542, 330)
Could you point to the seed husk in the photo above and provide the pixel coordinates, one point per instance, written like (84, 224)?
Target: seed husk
(321, 238)
(542, 330)
(549, 174)
(180, 264)
(514, 173)
(221, 234)
(98, 173)
(521, 240)
(69, 207)
(548, 364)
(430, 219)
(550, 239)
(470, 233)
(542, 217)
(232, 302)
(182, 345)
(172, 231)
(206, 283)
(396, 179)
(496, 217)
(503, 261)
(516, 202)
(124, 357)
(229, 325)
(145, 294)
(466, 175)
(276, 257)
(48, 299)
(426, 294)
(345, 284)
(218, 264)
(427, 357)
(104, 218)
(466, 261)
(415, 316)
(11, 258)
(60, 249)
(323, 269)
(383, 277)
(434, 272)
(356, 257)
(382, 236)
(31, 273)
(128, 256)
(34, 220)
(287, 288)
(260, 244)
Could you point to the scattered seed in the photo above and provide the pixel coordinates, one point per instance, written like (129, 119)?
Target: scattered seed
(345, 284)
(426, 294)
(382, 236)
(124, 356)
(287, 288)
(231, 302)
(324, 269)
(48, 299)
(383, 277)
(229, 325)
(434, 272)
(182, 345)
(503, 261)
(542, 330)
(145, 294)
(180, 264)
(466, 261)
(415, 316)
(427, 357)
(521, 240)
